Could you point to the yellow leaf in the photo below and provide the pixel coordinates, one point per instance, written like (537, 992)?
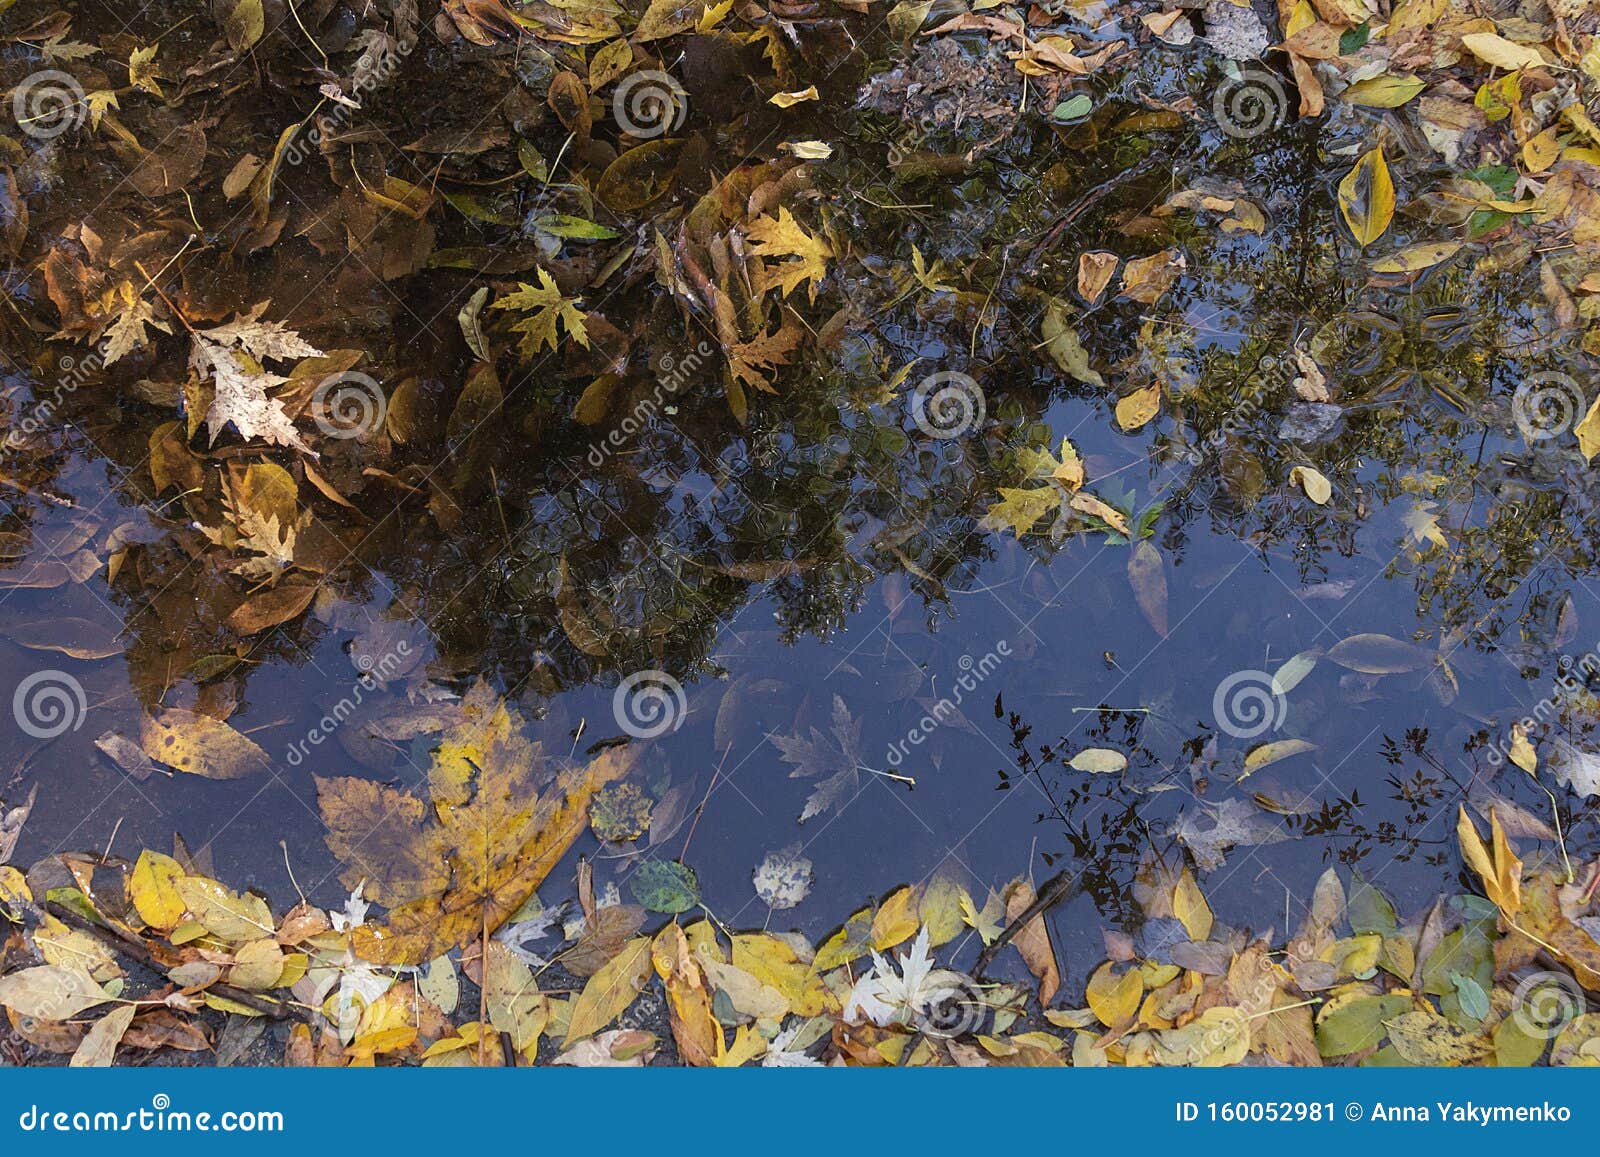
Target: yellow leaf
(1496, 865)
(1502, 53)
(1316, 486)
(1137, 408)
(1542, 150)
(694, 1027)
(1099, 761)
(847, 944)
(1021, 509)
(785, 238)
(1115, 999)
(1387, 90)
(153, 888)
(790, 99)
(1259, 757)
(940, 910)
(747, 1046)
(1588, 432)
(1094, 272)
(610, 990)
(1366, 197)
(773, 962)
(226, 914)
(1190, 907)
(200, 745)
(14, 893)
(142, 71)
(608, 63)
(808, 150)
(257, 966)
(1033, 941)
(1092, 506)
(1145, 279)
(1065, 348)
(896, 921)
(1522, 753)
(1414, 258)
(470, 855)
(1423, 1037)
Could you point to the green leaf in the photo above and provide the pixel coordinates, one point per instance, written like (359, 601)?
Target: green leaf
(1350, 1026)
(665, 886)
(1354, 39)
(1474, 1001)
(573, 228)
(1074, 108)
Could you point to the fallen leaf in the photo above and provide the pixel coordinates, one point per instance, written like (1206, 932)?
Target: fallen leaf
(1366, 197)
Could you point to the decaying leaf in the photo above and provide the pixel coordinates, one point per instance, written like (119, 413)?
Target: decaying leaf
(498, 816)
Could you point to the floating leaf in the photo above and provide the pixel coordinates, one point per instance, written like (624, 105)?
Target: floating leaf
(1379, 655)
(665, 886)
(1099, 761)
(471, 855)
(1366, 197)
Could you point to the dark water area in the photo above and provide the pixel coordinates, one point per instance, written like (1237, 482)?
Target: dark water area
(831, 548)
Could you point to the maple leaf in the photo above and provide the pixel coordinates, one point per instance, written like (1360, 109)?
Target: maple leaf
(99, 101)
(127, 331)
(785, 238)
(752, 362)
(836, 757)
(260, 502)
(545, 306)
(231, 356)
(1422, 524)
(262, 340)
(142, 71)
(498, 817)
(1021, 509)
(1208, 832)
(886, 997)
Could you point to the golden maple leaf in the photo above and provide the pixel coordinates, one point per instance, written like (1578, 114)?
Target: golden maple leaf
(1021, 509)
(498, 817)
(753, 361)
(542, 308)
(806, 257)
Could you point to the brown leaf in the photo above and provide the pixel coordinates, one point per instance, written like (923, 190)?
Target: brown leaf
(1033, 941)
(1094, 273)
(270, 607)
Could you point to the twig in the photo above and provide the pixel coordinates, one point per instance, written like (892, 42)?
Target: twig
(133, 947)
(1057, 888)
